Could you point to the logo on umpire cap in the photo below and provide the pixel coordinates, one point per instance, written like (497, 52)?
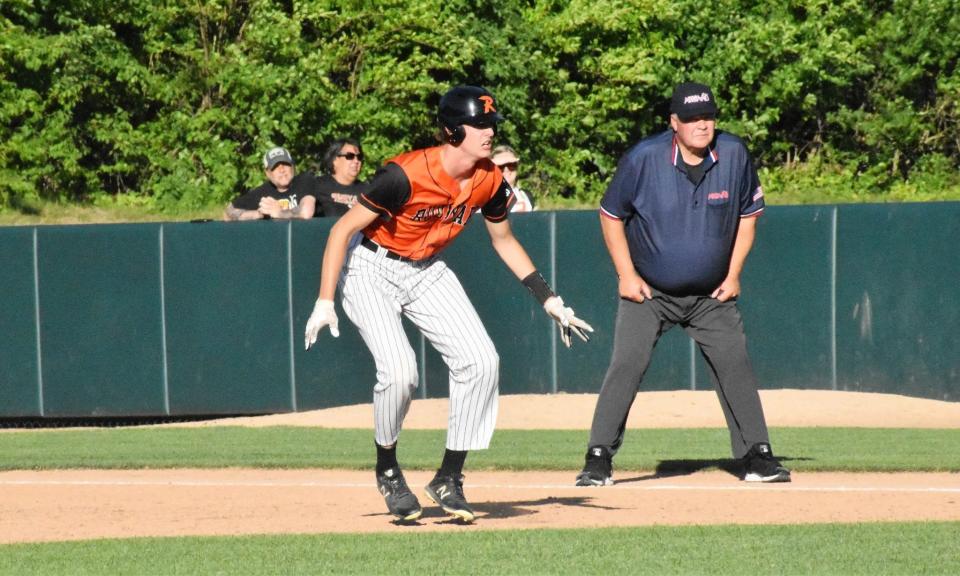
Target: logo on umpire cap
(694, 98)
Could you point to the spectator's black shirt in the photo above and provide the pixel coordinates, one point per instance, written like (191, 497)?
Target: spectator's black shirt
(333, 198)
(302, 185)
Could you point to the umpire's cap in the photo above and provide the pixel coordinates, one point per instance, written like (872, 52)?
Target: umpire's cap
(471, 105)
(691, 99)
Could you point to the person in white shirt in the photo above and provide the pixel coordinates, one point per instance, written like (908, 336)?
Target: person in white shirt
(506, 159)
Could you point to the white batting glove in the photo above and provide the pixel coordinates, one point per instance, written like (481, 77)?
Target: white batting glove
(323, 315)
(566, 320)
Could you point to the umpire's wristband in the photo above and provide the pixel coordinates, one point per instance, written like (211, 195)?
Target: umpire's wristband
(538, 287)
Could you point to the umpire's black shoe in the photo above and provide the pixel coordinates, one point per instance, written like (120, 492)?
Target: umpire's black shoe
(400, 500)
(598, 469)
(447, 492)
(761, 466)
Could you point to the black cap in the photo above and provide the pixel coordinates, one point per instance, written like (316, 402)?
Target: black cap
(691, 99)
(468, 105)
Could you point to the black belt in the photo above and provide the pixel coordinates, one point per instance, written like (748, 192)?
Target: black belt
(373, 247)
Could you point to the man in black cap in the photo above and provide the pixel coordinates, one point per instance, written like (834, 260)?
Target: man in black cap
(285, 195)
(679, 219)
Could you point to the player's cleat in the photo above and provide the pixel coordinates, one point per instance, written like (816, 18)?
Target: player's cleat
(400, 500)
(447, 492)
(762, 466)
(598, 469)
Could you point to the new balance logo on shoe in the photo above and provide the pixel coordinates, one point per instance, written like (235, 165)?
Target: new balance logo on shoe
(447, 492)
(400, 500)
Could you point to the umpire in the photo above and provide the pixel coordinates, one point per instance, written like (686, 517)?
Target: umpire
(679, 218)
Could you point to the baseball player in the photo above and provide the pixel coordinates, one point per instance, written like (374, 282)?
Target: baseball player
(384, 255)
(679, 219)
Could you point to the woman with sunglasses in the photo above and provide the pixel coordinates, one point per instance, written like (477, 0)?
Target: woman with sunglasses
(506, 159)
(339, 186)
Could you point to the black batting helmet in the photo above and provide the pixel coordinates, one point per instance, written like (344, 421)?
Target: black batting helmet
(471, 105)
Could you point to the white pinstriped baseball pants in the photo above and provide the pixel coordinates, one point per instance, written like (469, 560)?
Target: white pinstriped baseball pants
(375, 292)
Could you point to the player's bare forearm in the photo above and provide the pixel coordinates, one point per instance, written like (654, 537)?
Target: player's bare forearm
(355, 220)
(506, 245)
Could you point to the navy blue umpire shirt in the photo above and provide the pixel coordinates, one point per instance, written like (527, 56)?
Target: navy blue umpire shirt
(681, 235)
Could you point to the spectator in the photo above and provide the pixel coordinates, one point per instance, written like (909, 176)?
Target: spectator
(506, 159)
(339, 186)
(285, 195)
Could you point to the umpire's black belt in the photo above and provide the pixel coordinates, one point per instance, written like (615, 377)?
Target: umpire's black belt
(373, 247)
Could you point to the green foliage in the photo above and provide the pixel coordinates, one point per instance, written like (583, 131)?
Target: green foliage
(175, 102)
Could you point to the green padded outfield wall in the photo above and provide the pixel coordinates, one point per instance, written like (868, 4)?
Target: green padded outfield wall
(898, 299)
(208, 318)
(101, 334)
(227, 315)
(20, 389)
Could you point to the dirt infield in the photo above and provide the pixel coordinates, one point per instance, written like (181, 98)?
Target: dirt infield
(71, 505)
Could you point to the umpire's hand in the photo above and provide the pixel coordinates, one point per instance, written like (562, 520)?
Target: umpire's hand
(323, 315)
(633, 287)
(566, 320)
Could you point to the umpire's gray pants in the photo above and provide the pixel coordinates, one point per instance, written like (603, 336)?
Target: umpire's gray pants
(717, 329)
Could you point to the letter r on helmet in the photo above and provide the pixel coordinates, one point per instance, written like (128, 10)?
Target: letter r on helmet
(487, 104)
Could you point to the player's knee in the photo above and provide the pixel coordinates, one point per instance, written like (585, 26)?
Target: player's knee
(402, 375)
(486, 361)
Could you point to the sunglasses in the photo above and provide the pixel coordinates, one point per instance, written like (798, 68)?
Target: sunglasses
(512, 166)
(351, 156)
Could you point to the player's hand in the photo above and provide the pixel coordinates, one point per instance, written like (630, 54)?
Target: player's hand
(323, 315)
(566, 320)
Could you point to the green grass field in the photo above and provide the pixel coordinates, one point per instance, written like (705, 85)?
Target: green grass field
(883, 548)
(868, 549)
(802, 449)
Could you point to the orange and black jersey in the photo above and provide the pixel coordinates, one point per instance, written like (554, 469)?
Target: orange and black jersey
(422, 209)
